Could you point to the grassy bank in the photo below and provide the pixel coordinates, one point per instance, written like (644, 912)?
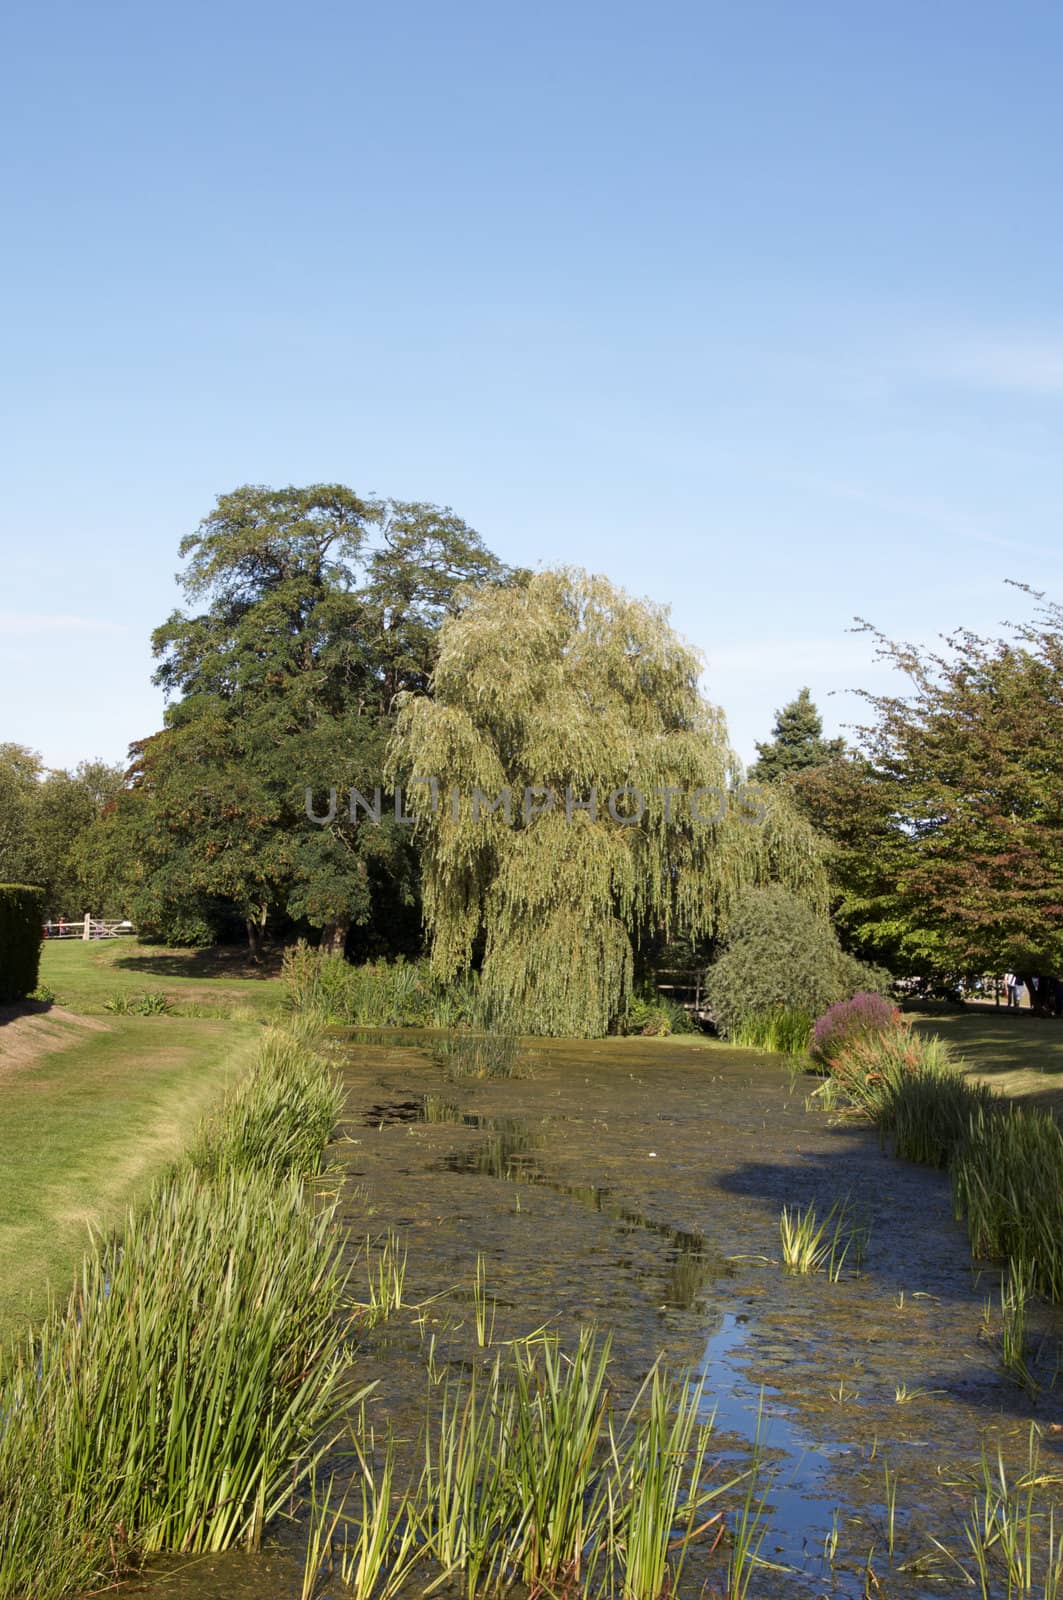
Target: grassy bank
(96, 1105)
(87, 1127)
(174, 1401)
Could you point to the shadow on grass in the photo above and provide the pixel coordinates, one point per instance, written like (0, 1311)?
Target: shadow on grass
(24, 1008)
(221, 961)
(1019, 1054)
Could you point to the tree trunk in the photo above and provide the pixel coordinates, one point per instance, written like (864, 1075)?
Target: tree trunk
(254, 939)
(334, 936)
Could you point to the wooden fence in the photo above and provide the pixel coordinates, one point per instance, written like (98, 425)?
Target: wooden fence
(87, 927)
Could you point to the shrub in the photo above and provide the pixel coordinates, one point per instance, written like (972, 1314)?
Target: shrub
(655, 1016)
(857, 1018)
(779, 954)
(21, 922)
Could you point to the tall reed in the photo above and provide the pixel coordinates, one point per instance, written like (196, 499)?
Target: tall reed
(278, 1117)
(177, 1397)
(1007, 1178)
(656, 1510)
(479, 1055)
(785, 1029)
(376, 994)
(1006, 1160)
(173, 1402)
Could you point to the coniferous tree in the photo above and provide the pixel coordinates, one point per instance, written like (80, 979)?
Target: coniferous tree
(796, 743)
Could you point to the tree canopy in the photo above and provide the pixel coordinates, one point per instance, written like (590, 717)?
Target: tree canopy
(947, 828)
(45, 815)
(316, 607)
(577, 700)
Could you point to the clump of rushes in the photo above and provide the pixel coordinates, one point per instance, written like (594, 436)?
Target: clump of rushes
(1007, 1176)
(177, 1398)
(173, 1402)
(658, 1507)
(479, 1055)
(1012, 1534)
(840, 1025)
(279, 1116)
(809, 1245)
(529, 1476)
(1006, 1160)
(786, 1029)
(377, 994)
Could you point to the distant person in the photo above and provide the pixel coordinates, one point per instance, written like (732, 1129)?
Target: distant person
(62, 926)
(1012, 988)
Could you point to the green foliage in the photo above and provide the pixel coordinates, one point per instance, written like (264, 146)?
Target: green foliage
(786, 1029)
(377, 994)
(796, 743)
(479, 1055)
(21, 916)
(278, 1118)
(779, 955)
(176, 1400)
(655, 1016)
(149, 1004)
(565, 684)
(45, 817)
(944, 832)
(318, 607)
(21, 860)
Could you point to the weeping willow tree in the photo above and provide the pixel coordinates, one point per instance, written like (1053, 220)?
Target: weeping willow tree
(574, 792)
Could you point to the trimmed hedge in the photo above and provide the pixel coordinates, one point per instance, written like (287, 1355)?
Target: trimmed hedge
(21, 920)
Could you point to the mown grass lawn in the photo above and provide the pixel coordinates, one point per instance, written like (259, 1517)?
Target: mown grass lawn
(84, 973)
(1018, 1054)
(93, 1107)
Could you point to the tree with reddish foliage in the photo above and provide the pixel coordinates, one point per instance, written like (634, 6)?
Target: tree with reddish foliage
(947, 827)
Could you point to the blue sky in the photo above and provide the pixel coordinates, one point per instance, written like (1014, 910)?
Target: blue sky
(756, 308)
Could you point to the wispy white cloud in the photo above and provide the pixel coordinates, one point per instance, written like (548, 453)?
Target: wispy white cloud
(1030, 365)
(926, 511)
(24, 625)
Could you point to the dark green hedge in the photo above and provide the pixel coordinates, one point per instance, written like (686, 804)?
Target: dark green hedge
(21, 921)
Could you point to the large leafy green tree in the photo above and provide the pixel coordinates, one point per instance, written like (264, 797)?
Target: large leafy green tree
(796, 742)
(20, 775)
(567, 688)
(45, 815)
(314, 608)
(947, 829)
